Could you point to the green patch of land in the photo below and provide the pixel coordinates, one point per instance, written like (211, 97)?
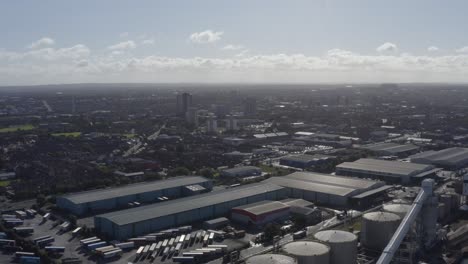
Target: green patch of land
(129, 135)
(67, 134)
(17, 128)
(274, 171)
(4, 183)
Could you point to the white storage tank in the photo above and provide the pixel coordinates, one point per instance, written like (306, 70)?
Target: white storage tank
(271, 259)
(308, 252)
(398, 209)
(343, 245)
(378, 228)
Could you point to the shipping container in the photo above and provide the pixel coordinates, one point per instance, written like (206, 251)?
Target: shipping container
(24, 230)
(171, 242)
(55, 249)
(19, 254)
(152, 247)
(89, 238)
(125, 245)
(165, 242)
(44, 242)
(104, 249)
(30, 260)
(76, 231)
(113, 253)
(178, 247)
(96, 245)
(40, 238)
(92, 241)
(183, 259)
(7, 242)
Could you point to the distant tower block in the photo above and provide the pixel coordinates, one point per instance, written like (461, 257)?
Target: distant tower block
(250, 106)
(231, 123)
(212, 125)
(184, 102)
(191, 116)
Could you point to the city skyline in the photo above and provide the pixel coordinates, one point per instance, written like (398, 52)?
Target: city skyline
(223, 42)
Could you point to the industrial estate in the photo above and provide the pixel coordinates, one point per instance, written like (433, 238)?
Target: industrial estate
(188, 174)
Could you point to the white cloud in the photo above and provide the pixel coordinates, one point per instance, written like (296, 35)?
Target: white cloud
(124, 34)
(207, 36)
(432, 49)
(45, 41)
(386, 47)
(148, 42)
(130, 44)
(77, 64)
(242, 53)
(82, 63)
(462, 50)
(232, 47)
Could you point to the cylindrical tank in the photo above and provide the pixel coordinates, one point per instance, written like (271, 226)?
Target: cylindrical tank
(271, 259)
(377, 229)
(398, 209)
(308, 252)
(441, 211)
(343, 245)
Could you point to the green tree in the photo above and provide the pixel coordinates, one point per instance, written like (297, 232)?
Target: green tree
(270, 231)
(179, 171)
(206, 172)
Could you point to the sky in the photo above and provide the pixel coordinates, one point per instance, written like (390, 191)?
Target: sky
(222, 41)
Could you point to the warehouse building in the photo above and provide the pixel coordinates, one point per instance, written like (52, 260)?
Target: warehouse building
(304, 209)
(388, 171)
(242, 171)
(260, 213)
(96, 201)
(451, 158)
(305, 161)
(146, 219)
(326, 189)
(391, 149)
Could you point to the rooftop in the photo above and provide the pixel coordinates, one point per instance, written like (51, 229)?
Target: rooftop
(323, 183)
(241, 169)
(390, 147)
(449, 155)
(103, 194)
(306, 158)
(143, 213)
(385, 167)
(262, 207)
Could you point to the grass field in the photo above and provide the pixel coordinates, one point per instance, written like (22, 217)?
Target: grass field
(4, 183)
(67, 134)
(17, 128)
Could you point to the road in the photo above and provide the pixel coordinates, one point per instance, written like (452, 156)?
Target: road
(46, 105)
(156, 134)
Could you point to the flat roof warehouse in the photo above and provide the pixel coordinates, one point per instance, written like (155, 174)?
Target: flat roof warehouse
(153, 211)
(145, 219)
(111, 193)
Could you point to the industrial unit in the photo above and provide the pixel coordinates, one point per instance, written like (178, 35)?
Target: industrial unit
(391, 149)
(451, 158)
(242, 171)
(114, 198)
(260, 213)
(141, 220)
(305, 161)
(388, 171)
(327, 189)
